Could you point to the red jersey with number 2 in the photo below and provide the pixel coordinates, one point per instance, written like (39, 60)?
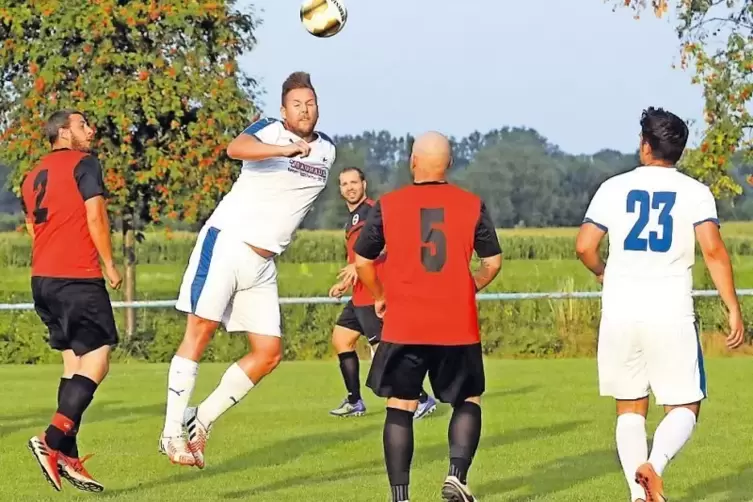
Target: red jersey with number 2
(431, 231)
(53, 195)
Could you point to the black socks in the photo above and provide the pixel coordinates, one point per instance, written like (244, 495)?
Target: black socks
(463, 434)
(398, 451)
(74, 397)
(349, 366)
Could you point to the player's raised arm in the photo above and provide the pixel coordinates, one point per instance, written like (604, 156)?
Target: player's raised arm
(256, 143)
(88, 175)
(488, 250)
(720, 267)
(367, 248)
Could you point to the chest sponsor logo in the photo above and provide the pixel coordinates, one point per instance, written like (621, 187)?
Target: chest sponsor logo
(307, 170)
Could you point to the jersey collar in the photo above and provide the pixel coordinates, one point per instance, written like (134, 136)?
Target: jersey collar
(669, 168)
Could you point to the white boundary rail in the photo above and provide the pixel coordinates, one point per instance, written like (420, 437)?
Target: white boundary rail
(344, 299)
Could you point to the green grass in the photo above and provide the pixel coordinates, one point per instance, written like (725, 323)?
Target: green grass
(162, 281)
(547, 436)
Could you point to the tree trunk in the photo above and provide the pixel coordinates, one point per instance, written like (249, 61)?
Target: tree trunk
(129, 256)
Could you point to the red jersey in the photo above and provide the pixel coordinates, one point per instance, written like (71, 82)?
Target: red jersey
(431, 231)
(52, 196)
(356, 220)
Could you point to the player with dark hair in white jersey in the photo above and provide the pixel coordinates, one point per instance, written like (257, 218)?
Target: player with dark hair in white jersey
(648, 337)
(231, 276)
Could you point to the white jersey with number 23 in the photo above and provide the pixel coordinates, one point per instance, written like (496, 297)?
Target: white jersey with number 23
(650, 214)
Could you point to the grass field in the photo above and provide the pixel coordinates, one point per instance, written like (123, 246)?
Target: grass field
(314, 279)
(547, 436)
(161, 281)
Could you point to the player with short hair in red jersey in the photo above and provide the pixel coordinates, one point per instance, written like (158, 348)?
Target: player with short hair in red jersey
(358, 317)
(428, 302)
(63, 198)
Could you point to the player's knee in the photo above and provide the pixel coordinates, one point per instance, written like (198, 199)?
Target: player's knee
(95, 364)
(402, 404)
(71, 363)
(275, 360)
(199, 331)
(344, 341)
(474, 399)
(269, 360)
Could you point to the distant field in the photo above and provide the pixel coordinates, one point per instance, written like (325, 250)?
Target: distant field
(525, 328)
(162, 281)
(326, 246)
(314, 279)
(730, 229)
(547, 436)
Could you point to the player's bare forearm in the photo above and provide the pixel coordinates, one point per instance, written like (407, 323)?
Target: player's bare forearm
(30, 229)
(99, 229)
(718, 263)
(247, 147)
(587, 248)
(593, 262)
(367, 274)
(720, 269)
(487, 271)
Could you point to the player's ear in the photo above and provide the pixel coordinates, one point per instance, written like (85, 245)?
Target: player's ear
(283, 114)
(64, 133)
(644, 150)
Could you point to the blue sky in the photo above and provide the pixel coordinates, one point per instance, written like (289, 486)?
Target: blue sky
(577, 72)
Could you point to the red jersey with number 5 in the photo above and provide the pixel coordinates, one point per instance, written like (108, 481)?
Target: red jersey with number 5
(431, 231)
(356, 220)
(53, 196)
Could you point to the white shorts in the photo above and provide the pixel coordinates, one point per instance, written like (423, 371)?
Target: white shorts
(663, 357)
(226, 281)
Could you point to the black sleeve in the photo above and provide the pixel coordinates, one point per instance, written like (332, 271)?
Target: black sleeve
(88, 174)
(486, 242)
(370, 240)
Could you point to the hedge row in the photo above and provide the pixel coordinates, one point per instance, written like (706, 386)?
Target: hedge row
(535, 328)
(322, 246)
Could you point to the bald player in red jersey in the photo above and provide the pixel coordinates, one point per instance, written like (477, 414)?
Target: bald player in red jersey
(358, 318)
(428, 302)
(63, 198)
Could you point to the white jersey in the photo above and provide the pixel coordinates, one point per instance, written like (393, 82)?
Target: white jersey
(650, 214)
(271, 197)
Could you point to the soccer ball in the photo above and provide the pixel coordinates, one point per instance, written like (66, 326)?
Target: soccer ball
(323, 18)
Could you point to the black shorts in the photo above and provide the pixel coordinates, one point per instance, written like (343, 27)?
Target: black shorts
(455, 372)
(363, 320)
(77, 312)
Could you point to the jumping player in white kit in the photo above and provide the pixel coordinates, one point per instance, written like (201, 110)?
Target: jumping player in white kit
(648, 337)
(231, 276)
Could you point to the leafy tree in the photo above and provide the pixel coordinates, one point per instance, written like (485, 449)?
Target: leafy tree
(157, 79)
(717, 40)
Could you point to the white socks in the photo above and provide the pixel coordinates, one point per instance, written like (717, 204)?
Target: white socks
(632, 448)
(234, 385)
(180, 383)
(671, 435)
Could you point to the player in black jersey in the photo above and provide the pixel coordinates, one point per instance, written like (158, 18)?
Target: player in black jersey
(358, 318)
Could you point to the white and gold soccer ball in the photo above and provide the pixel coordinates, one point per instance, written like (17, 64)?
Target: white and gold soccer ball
(323, 18)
